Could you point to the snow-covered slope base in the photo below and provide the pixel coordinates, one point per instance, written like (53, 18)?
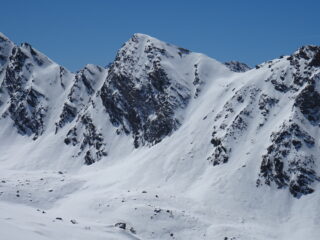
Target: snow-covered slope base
(163, 144)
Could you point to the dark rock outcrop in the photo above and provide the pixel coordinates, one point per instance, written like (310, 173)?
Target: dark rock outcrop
(286, 164)
(237, 66)
(91, 142)
(144, 104)
(27, 106)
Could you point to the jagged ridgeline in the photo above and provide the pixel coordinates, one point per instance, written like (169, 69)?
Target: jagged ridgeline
(154, 93)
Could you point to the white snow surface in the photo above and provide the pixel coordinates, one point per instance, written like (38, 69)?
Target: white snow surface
(166, 191)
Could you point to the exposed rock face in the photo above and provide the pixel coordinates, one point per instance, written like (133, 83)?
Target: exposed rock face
(68, 114)
(231, 123)
(139, 96)
(266, 103)
(26, 106)
(237, 66)
(5, 51)
(308, 101)
(287, 162)
(85, 85)
(91, 142)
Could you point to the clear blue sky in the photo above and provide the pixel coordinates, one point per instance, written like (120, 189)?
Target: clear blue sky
(76, 32)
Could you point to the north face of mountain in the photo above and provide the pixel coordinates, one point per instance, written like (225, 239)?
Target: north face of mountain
(143, 90)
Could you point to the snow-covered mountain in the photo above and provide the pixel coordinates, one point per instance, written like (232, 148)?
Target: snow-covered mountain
(237, 66)
(163, 144)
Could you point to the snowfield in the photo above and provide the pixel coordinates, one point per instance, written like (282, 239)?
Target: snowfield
(165, 144)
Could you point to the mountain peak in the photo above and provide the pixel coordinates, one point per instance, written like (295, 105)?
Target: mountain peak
(144, 37)
(5, 49)
(236, 66)
(141, 36)
(308, 53)
(140, 41)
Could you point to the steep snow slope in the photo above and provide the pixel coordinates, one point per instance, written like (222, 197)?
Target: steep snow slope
(179, 146)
